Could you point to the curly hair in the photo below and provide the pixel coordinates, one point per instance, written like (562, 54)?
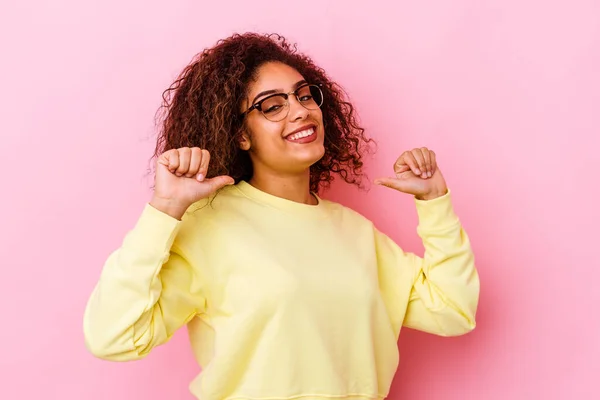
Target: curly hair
(201, 109)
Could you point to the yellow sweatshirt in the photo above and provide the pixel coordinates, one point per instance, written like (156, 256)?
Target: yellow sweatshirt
(282, 300)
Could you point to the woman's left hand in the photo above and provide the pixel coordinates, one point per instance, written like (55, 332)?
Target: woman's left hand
(417, 173)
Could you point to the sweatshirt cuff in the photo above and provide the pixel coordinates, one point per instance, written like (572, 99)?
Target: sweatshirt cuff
(437, 213)
(154, 232)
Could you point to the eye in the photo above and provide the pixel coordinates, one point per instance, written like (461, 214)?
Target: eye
(273, 104)
(271, 109)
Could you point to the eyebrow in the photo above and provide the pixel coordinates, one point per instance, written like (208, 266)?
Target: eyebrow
(272, 91)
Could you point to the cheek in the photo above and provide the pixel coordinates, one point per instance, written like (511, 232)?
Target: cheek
(318, 116)
(319, 119)
(267, 134)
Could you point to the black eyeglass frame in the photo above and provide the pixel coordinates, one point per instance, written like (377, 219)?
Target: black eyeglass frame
(256, 106)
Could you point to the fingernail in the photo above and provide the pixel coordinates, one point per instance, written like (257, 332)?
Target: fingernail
(429, 174)
(200, 177)
(418, 171)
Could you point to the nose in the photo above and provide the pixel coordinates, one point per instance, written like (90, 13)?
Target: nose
(297, 111)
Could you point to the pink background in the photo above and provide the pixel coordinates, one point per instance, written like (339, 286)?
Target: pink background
(506, 92)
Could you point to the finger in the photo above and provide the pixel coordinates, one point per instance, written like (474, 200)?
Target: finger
(418, 155)
(427, 160)
(172, 159)
(412, 162)
(402, 185)
(203, 165)
(389, 182)
(195, 157)
(219, 182)
(163, 160)
(400, 166)
(184, 161)
(433, 162)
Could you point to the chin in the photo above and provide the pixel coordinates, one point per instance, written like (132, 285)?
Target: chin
(311, 156)
(306, 153)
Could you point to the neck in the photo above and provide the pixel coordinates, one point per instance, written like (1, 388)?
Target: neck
(291, 187)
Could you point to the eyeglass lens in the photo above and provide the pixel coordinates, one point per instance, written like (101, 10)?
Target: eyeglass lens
(276, 106)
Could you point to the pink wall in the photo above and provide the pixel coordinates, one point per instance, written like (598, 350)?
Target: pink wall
(506, 92)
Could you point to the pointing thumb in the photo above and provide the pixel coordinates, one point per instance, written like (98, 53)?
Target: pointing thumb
(219, 182)
(392, 183)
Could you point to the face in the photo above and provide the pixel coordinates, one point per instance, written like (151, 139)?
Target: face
(282, 145)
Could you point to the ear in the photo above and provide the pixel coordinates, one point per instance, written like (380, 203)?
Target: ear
(244, 141)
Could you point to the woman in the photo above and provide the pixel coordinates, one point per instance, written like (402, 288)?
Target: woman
(285, 295)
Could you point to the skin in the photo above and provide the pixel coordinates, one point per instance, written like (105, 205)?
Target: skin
(417, 173)
(281, 168)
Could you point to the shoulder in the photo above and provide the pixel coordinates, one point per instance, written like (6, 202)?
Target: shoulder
(206, 214)
(226, 200)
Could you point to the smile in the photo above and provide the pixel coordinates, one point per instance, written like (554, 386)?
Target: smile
(304, 136)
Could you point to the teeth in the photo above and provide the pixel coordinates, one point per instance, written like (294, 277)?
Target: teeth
(301, 134)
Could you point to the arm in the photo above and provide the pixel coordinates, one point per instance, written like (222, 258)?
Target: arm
(146, 291)
(444, 291)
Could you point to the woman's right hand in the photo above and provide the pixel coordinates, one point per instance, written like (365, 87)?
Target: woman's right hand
(181, 180)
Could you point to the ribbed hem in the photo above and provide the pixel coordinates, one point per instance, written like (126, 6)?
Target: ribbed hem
(436, 214)
(154, 232)
(300, 209)
(311, 397)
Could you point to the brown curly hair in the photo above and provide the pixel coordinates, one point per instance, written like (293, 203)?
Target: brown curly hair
(201, 109)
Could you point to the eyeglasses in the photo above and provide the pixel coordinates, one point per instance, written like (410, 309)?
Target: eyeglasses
(276, 107)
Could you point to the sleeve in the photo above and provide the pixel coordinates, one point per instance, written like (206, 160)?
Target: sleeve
(442, 294)
(146, 291)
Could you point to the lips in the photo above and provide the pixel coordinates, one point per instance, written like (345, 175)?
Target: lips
(301, 132)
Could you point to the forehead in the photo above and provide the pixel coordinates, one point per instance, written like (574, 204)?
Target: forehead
(274, 76)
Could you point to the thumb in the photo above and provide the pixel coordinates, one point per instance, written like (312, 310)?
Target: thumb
(394, 183)
(219, 182)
